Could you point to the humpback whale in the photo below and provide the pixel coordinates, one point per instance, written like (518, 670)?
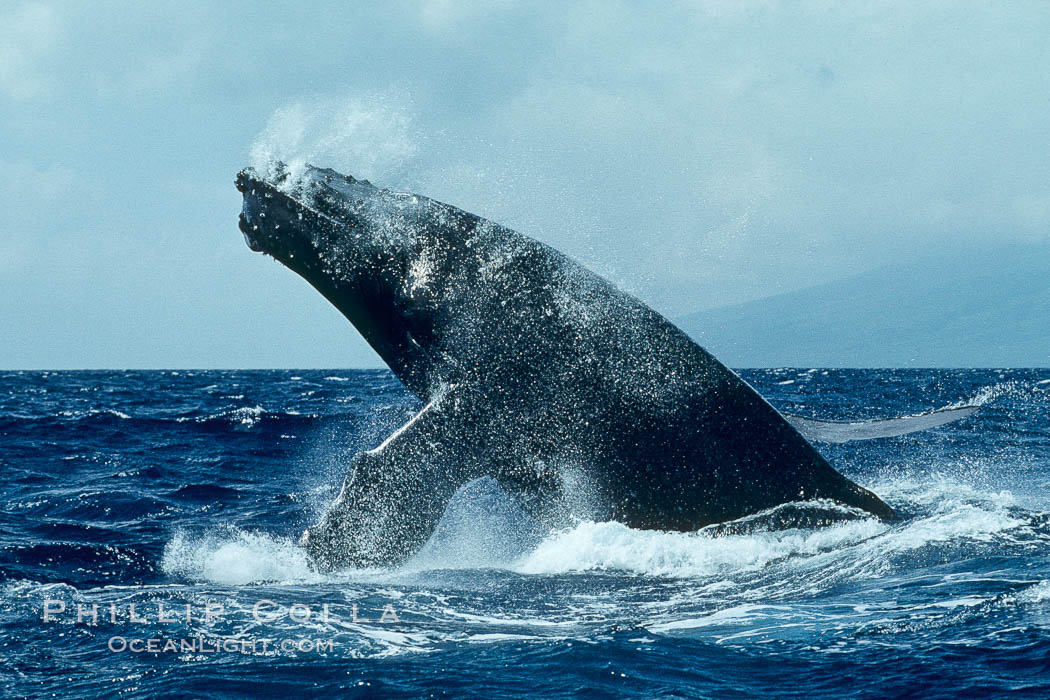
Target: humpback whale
(532, 370)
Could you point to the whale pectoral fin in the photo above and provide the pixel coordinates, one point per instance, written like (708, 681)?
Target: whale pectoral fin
(394, 495)
(846, 431)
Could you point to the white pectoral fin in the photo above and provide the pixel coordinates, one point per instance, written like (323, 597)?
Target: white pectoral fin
(846, 431)
(394, 495)
(428, 409)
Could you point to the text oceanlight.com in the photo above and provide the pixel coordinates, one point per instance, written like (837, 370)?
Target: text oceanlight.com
(200, 645)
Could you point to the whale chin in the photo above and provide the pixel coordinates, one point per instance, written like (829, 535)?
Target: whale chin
(246, 229)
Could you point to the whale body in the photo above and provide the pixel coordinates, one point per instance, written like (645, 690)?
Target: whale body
(532, 369)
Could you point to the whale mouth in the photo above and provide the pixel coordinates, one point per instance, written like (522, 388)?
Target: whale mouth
(245, 183)
(247, 228)
(250, 221)
(279, 208)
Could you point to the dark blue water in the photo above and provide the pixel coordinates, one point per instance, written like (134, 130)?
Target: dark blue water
(176, 489)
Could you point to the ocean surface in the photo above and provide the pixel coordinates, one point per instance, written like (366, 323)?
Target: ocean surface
(163, 508)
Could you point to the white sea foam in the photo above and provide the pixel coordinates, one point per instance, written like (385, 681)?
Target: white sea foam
(484, 528)
(614, 546)
(243, 418)
(247, 416)
(954, 512)
(236, 558)
(78, 415)
(1039, 593)
(727, 616)
(986, 395)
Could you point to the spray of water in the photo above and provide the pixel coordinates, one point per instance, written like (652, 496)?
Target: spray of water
(368, 136)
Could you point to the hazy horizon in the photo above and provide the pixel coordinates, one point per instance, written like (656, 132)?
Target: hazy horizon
(837, 321)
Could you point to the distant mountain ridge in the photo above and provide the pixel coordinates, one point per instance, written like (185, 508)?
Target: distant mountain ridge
(986, 308)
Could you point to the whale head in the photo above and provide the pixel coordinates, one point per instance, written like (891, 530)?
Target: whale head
(314, 217)
(357, 244)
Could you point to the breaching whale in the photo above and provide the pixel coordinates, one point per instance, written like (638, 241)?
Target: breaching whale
(532, 369)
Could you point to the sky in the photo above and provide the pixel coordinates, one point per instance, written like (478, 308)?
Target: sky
(697, 153)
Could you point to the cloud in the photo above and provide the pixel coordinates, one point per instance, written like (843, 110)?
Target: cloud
(448, 15)
(28, 35)
(33, 197)
(160, 70)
